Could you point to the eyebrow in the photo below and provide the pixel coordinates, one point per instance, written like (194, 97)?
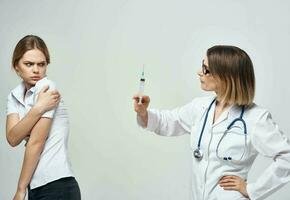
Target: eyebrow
(41, 62)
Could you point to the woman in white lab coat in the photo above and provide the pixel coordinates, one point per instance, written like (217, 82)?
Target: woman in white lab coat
(228, 131)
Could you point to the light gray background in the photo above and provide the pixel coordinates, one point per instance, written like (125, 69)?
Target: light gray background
(97, 50)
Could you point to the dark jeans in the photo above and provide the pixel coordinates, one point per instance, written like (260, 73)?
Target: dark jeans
(62, 189)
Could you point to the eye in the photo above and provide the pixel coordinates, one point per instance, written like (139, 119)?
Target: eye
(42, 64)
(28, 64)
(205, 69)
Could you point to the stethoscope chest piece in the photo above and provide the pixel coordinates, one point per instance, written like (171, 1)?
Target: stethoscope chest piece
(198, 154)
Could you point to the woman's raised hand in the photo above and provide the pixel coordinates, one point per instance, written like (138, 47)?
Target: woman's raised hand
(141, 108)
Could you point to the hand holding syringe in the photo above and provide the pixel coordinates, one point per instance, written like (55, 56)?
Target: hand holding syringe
(141, 102)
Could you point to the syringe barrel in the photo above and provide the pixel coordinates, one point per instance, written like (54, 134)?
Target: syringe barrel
(141, 90)
(141, 87)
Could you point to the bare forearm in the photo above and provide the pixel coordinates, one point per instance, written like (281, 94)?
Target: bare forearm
(31, 159)
(23, 128)
(33, 151)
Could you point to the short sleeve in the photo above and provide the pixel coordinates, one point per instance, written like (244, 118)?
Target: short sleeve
(11, 105)
(38, 87)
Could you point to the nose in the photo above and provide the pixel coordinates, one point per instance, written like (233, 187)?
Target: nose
(35, 68)
(199, 73)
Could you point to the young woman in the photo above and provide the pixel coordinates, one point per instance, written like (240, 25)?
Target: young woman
(227, 131)
(35, 112)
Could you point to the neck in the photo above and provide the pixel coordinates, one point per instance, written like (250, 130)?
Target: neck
(27, 86)
(221, 104)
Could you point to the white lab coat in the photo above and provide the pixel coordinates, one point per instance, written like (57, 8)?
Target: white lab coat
(264, 137)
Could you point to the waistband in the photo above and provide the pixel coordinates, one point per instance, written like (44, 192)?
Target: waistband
(56, 183)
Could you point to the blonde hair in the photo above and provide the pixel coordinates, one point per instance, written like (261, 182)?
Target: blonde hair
(234, 69)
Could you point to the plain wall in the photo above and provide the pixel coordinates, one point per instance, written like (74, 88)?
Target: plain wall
(97, 50)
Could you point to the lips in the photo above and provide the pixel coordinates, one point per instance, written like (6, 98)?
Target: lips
(35, 78)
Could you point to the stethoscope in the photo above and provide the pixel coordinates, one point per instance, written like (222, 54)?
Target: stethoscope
(198, 154)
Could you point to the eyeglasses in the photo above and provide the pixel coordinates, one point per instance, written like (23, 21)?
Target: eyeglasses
(205, 70)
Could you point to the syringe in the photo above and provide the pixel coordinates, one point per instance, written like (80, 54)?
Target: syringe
(141, 86)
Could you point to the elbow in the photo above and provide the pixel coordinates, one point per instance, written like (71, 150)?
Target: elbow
(11, 139)
(12, 142)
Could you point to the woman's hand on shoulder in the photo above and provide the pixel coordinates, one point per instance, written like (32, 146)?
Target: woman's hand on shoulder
(47, 100)
(232, 182)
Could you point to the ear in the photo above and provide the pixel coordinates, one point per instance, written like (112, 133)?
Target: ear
(16, 68)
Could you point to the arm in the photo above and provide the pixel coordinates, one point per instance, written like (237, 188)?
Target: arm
(32, 154)
(168, 123)
(17, 130)
(269, 141)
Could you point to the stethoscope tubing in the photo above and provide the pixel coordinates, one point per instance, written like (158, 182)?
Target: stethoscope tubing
(198, 153)
(204, 123)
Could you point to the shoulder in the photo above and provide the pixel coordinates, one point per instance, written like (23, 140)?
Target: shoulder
(12, 104)
(16, 93)
(257, 113)
(11, 98)
(44, 82)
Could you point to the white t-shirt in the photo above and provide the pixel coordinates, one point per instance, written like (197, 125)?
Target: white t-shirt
(54, 162)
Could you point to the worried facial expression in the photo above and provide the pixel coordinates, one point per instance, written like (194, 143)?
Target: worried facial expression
(31, 67)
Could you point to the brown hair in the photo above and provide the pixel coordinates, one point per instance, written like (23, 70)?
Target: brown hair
(234, 68)
(27, 43)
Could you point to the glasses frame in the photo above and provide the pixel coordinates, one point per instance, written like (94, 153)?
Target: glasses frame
(204, 68)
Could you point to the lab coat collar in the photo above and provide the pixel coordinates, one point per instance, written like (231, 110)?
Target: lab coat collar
(232, 110)
(225, 114)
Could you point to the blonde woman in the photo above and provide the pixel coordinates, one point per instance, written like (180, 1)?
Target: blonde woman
(228, 131)
(36, 112)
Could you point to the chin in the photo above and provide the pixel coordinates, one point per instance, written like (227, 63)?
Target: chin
(203, 87)
(32, 83)
(206, 89)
